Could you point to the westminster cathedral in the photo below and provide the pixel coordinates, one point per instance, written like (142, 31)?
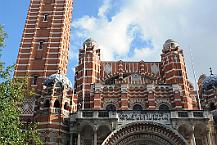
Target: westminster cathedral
(110, 102)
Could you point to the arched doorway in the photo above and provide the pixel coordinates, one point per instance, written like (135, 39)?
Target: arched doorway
(87, 134)
(186, 131)
(200, 133)
(142, 133)
(102, 132)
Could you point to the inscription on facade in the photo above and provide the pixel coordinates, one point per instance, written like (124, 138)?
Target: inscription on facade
(153, 116)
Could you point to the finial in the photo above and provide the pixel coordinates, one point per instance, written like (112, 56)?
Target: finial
(211, 73)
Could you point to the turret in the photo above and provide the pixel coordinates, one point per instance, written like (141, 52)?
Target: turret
(174, 70)
(55, 105)
(87, 72)
(208, 93)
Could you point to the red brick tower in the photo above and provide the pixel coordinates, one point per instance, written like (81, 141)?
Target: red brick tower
(43, 52)
(87, 72)
(175, 70)
(44, 46)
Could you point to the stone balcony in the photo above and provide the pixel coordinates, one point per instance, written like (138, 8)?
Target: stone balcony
(127, 116)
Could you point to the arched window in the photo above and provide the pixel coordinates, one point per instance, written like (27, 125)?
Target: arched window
(57, 104)
(110, 107)
(164, 107)
(137, 107)
(59, 84)
(47, 104)
(66, 106)
(212, 106)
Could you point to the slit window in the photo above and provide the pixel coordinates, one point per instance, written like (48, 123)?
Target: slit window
(45, 18)
(41, 45)
(34, 80)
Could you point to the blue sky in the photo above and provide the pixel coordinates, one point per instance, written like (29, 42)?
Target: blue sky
(13, 15)
(129, 29)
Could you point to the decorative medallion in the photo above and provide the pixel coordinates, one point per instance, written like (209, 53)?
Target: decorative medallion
(26, 106)
(155, 69)
(107, 68)
(136, 77)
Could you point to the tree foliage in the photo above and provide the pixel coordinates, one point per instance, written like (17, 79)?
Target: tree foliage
(2, 36)
(12, 92)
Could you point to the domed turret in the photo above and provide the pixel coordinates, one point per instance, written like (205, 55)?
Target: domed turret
(209, 82)
(170, 45)
(58, 78)
(89, 43)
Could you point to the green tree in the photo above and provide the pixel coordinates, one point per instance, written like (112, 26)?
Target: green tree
(2, 36)
(12, 92)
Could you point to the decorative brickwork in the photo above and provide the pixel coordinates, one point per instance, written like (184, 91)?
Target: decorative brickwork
(154, 83)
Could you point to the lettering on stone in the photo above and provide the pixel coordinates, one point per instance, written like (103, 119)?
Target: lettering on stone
(129, 116)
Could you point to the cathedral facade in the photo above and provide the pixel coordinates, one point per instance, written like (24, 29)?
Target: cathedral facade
(111, 102)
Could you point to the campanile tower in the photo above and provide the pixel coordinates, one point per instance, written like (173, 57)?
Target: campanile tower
(44, 47)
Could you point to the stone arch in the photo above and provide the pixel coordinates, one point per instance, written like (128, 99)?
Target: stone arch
(87, 135)
(102, 132)
(150, 133)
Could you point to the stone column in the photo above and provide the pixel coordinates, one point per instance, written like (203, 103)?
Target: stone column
(209, 138)
(79, 139)
(124, 98)
(95, 138)
(193, 137)
(71, 136)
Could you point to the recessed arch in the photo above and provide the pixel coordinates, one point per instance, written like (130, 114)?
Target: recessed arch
(137, 107)
(186, 131)
(145, 133)
(66, 106)
(212, 106)
(102, 132)
(57, 104)
(87, 135)
(200, 133)
(47, 103)
(164, 107)
(111, 107)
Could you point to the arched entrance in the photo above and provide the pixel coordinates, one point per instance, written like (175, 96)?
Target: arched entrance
(145, 133)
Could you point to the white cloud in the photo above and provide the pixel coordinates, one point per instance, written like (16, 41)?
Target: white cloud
(190, 22)
(104, 8)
